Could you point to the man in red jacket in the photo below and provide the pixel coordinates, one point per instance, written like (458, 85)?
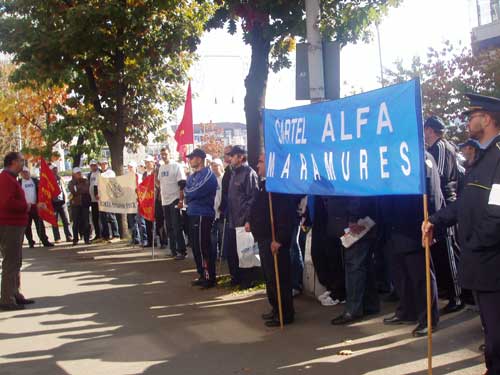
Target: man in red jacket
(13, 220)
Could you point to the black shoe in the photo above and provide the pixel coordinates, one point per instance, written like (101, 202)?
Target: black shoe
(234, 282)
(421, 330)
(69, 239)
(75, 242)
(24, 301)
(451, 307)
(395, 320)
(276, 322)
(268, 316)
(87, 242)
(48, 244)
(197, 282)
(207, 284)
(31, 245)
(11, 307)
(345, 318)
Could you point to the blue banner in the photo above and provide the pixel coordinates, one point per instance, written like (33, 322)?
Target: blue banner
(363, 145)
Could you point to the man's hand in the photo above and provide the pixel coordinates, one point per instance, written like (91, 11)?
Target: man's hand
(29, 207)
(356, 228)
(247, 227)
(427, 232)
(275, 247)
(180, 205)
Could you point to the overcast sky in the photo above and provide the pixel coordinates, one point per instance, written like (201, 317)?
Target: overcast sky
(407, 31)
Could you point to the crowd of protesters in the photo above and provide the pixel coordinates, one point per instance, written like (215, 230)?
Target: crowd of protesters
(202, 205)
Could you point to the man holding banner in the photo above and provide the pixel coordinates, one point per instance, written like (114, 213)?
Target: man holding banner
(477, 213)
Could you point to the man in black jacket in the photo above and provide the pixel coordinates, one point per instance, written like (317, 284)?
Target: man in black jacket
(477, 213)
(445, 252)
(59, 203)
(241, 192)
(260, 225)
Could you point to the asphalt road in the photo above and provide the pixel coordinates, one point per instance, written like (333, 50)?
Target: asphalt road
(111, 309)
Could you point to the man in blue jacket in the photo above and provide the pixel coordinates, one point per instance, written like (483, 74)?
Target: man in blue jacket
(199, 193)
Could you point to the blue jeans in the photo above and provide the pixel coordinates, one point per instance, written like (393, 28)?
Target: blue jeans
(361, 288)
(137, 226)
(297, 263)
(107, 218)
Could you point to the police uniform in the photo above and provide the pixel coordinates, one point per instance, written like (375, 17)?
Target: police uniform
(477, 212)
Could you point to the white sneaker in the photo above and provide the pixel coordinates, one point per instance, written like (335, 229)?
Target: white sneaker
(329, 301)
(326, 294)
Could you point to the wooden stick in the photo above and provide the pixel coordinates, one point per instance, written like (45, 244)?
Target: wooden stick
(276, 269)
(428, 287)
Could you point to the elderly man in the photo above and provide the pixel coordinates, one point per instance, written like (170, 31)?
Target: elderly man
(80, 204)
(59, 204)
(13, 221)
(93, 177)
(107, 218)
(477, 213)
(30, 187)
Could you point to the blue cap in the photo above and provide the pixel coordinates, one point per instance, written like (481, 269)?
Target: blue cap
(197, 152)
(434, 122)
(482, 103)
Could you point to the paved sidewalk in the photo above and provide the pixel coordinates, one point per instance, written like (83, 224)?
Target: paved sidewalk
(110, 309)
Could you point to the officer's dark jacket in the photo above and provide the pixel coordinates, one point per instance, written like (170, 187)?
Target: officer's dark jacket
(446, 159)
(344, 210)
(284, 211)
(477, 212)
(241, 193)
(401, 216)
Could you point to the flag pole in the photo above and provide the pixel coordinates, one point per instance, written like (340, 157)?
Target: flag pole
(428, 289)
(153, 234)
(276, 268)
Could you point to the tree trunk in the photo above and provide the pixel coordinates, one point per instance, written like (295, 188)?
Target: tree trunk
(77, 157)
(255, 98)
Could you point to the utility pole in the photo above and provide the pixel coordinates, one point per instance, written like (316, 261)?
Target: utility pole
(380, 56)
(315, 52)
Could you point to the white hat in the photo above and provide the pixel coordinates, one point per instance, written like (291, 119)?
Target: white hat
(93, 162)
(132, 163)
(52, 166)
(26, 169)
(76, 170)
(209, 158)
(149, 158)
(142, 164)
(218, 162)
(104, 161)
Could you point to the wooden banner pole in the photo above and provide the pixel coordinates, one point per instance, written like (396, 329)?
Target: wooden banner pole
(276, 268)
(428, 287)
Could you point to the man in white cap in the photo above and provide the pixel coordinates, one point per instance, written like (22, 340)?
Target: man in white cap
(30, 187)
(107, 218)
(92, 178)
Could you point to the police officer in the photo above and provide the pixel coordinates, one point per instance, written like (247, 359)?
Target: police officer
(477, 212)
(445, 252)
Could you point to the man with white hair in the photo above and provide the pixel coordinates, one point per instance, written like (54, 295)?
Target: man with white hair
(30, 187)
(107, 218)
(217, 167)
(92, 178)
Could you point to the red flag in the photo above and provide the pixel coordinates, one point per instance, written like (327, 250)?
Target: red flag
(48, 189)
(184, 135)
(146, 195)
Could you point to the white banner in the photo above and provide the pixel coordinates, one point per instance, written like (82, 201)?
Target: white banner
(118, 194)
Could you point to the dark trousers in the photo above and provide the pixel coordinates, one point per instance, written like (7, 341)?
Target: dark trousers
(216, 236)
(326, 253)
(60, 211)
(297, 261)
(489, 308)
(40, 227)
(204, 254)
(361, 287)
(11, 244)
(95, 219)
(137, 228)
(80, 215)
(445, 258)
(106, 220)
(284, 268)
(174, 228)
(408, 270)
(233, 262)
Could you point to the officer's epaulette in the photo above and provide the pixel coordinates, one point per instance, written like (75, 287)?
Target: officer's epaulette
(498, 146)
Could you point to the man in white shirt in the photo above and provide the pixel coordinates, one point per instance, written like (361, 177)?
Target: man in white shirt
(107, 218)
(92, 177)
(30, 188)
(172, 181)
